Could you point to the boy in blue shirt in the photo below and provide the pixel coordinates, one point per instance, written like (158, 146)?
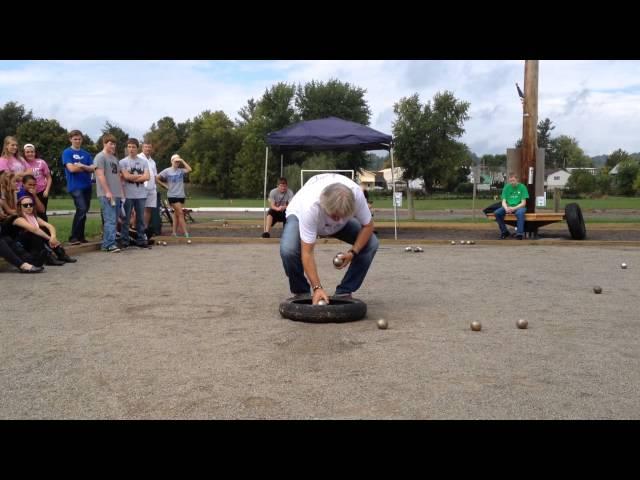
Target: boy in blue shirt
(78, 167)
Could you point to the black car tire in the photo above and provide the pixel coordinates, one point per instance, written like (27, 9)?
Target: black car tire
(338, 310)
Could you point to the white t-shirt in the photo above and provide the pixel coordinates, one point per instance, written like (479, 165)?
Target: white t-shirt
(313, 220)
(150, 184)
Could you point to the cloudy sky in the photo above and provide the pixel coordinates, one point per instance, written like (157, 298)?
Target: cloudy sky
(597, 102)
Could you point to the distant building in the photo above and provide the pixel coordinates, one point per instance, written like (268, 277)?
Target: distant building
(401, 183)
(591, 170)
(366, 178)
(557, 179)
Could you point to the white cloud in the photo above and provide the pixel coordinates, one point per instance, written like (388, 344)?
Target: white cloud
(597, 102)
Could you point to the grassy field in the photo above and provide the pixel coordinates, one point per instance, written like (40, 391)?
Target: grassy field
(610, 203)
(93, 227)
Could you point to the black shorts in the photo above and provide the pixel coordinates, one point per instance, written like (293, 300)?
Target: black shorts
(173, 200)
(277, 216)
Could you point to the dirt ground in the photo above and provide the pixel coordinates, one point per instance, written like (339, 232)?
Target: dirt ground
(193, 332)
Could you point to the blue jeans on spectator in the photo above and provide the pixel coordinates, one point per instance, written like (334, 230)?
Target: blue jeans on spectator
(291, 254)
(82, 201)
(129, 204)
(519, 213)
(110, 219)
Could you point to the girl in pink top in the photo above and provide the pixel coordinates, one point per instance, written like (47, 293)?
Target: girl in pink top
(12, 161)
(41, 173)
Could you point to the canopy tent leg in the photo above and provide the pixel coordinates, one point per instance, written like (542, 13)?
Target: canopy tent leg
(282, 165)
(264, 200)
(395, 207)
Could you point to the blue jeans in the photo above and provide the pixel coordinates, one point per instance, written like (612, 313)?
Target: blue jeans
(291, 254)
(110, 219)
(82, 201)
(129, 204)
(519, 213)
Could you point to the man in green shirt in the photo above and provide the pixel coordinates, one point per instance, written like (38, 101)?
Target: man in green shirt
(514, 200)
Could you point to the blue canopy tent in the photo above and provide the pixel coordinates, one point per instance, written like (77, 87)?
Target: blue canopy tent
(324, 134)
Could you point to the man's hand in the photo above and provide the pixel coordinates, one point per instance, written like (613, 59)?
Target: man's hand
(346, 260)
(318, 295)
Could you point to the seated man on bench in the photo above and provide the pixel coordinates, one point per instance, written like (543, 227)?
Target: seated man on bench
(514, 200)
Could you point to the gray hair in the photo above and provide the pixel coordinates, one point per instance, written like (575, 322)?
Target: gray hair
(338, 199)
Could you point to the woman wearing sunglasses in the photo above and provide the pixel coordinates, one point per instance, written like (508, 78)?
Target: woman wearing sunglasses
(34, 239)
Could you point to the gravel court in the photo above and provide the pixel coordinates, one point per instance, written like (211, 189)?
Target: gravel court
(193, 331)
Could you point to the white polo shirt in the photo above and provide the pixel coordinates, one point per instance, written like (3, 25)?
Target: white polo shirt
(313, 220)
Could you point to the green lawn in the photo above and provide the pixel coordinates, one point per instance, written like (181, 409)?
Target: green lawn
(92, 229)
(610, 203)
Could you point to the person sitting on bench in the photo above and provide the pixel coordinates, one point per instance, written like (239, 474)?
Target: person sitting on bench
(514, 200)
(279, 198)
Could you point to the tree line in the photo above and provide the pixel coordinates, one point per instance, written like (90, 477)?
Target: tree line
(227, 155)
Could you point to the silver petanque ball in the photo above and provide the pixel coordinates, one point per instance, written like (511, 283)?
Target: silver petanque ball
(321, 302)
(188, 241)
(338, 260)
(476, 326)
(453, 242)
(408, 249)
(382, 324)
(522, 323)
(623, 265)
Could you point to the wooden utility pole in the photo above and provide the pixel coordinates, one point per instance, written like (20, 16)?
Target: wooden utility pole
(530, 131)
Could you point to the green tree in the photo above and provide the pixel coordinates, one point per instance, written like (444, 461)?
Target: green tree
(617, 157)
(603, 183)
(544, 133)
(246, 113)
(87, 144)
(274, 111)
(581, 182)
(248, 168)
(626, 177)
(566, 153)
(332, 99)
(426, 136)
(50, 139)
(544, 140)
(210, 149)
(166, 139)
(12, 115)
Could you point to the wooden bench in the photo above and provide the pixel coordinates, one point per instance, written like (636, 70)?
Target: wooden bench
(532, 221)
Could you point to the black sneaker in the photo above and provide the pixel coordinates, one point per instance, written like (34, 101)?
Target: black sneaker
(51, 260)
(84, 240)
(504, 235)
(518, 237)
(266, 235)
(74, 241)
(143, 245)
